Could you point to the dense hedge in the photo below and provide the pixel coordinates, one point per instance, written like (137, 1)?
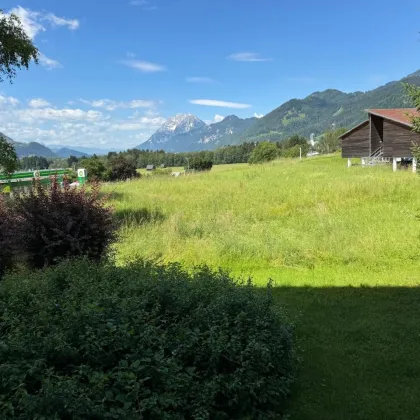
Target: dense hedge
(80, 341)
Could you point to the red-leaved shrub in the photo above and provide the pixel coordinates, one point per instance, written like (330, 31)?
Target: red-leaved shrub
(58, 222)
(6, 237)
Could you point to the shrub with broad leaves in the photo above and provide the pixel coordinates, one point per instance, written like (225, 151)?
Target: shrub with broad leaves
(86, 341)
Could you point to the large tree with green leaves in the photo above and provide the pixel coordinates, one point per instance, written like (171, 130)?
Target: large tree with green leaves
(16, 48)
(9, 161)
(264, 152)
(330, 141)
(413, 92)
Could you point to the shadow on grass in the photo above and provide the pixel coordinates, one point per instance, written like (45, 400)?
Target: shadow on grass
(360, 352)
(139, 217)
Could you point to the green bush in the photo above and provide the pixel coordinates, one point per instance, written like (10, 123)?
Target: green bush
(201, 164)
(264, 152)
(293, 152)
(162, 171)
(120, 169)
(95, 167)
(81, 341)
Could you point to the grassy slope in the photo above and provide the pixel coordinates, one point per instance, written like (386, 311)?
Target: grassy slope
(342, 247)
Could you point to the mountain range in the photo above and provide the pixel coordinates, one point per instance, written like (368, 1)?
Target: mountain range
(186, 132)
(313, 114)
(37, 149)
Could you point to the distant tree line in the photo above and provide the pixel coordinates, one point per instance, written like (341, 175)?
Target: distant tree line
(121, 166)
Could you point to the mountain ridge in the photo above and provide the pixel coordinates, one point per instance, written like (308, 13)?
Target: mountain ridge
(176, 125)
(322, 109)
(315, 114)
(200, 137)
(37, 149)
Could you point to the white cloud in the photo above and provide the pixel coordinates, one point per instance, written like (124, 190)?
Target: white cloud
(48, 63)
(217, 118)
(151, 113)
(38, 103)
(8, 100)
(248, 56)
(33, 21)
(140, 103)
(111, 105)
(199, 80)
(29, 20)
(144, 66)
(36, 120)
(221, 104)
(140, 124)
(71, 24)
(53, 114)
(258, 115)
(145, 4)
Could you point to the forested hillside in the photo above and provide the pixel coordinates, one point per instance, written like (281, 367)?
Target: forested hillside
(320, 110)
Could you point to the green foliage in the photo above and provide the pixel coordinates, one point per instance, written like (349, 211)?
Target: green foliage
(292, 147)
(318, 111)
(34, 162)
(294, 152)
(56, 223)
(330, 141)
(201, 164)
(294, 141)
(264, 152)
(162, 171)
(227, 154)
(414, 93)
(9, 162)
(121, 168)
(95, 167)
(81, 341)
(16, 48)
(72, 160)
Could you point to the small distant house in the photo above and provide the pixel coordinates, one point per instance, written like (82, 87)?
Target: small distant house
(386, 135)
(150, 167)
(163, 165)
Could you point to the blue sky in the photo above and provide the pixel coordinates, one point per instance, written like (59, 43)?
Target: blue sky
(113, 70)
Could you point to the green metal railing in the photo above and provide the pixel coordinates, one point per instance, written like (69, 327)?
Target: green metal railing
(26, 178)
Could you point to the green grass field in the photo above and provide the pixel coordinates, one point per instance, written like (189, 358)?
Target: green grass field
(342, 246)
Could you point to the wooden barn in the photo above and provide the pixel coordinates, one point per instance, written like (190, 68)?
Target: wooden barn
(386, 135)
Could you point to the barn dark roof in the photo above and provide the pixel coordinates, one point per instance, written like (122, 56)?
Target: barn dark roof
(399, 115)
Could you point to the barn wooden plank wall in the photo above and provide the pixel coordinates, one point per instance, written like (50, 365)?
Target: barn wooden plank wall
(356, 143)
(398, 140)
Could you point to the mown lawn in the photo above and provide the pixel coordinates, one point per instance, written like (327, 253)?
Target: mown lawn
(342, 248)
